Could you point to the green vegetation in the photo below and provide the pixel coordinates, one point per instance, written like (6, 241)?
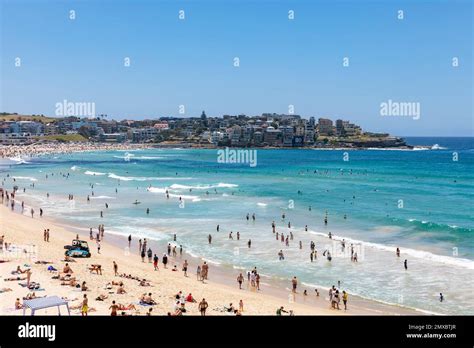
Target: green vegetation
(16, 117)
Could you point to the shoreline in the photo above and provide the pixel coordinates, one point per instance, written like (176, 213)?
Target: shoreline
(269, 299)
(17, 153)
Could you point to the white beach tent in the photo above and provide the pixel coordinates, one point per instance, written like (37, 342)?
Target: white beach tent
(45, 302)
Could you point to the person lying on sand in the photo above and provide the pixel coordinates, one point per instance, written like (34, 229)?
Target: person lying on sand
(18, 304)
(31, 296)
(101, 297)
(19, 270)
(79, 306)
(68, 259)
(12, 279)
(66, 277)
(40, 262)
(143, 282)
(70, 282)
(2, 290)
(129, 307)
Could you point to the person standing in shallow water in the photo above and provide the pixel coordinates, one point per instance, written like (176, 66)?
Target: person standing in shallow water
(405, 264)
(294, 283)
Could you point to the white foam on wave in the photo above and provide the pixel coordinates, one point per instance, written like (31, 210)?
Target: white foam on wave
(211, 261)
(133, 157)
(202, 187)
(420, 254)
(18, 160)
(24, 178)
(88, 172)
(74, 168)
(101, 197)
(143, 178)
(262, 204)
(163, 190)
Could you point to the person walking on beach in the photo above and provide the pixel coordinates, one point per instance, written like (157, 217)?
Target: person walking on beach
(98, 247)
(240, 280)
(129, 240)
(115, 268)
(294, 283)
(164, 259)
(398, 252)
(204, 271)
(441, 297)
(249, 243)
(139, 245)
(203, 306)
(405, 264)
(185, 268)
(143, 255)
(345, 296)
(155, 262)
(150, 255)
(198, 272)
(209, 239)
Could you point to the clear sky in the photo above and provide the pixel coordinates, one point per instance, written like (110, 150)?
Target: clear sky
(283, 62)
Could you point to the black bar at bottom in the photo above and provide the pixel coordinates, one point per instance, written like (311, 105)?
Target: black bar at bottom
(217, 330)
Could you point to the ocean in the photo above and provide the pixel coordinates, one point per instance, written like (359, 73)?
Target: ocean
(418, 200)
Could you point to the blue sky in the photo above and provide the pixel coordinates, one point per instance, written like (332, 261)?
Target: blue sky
(282, 62)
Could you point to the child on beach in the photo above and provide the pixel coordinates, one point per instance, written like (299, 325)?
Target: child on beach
(84, 307)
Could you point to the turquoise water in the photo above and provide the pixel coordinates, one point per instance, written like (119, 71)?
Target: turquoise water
(420, 201)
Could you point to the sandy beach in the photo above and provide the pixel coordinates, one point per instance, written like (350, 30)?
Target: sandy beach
(38, 149)
(220, 290)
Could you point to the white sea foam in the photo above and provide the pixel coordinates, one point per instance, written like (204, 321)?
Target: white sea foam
(262, 204)
(18, 160)
(101, 197)
(143, 178)
(163, 190)
(74, 168)
(211, 261)
(88, 172)
(202, 187)
(425, 255)
(24, 178)
(133, 157)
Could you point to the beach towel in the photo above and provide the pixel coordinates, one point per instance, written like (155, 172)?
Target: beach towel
(32, 286)
(141, 303)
